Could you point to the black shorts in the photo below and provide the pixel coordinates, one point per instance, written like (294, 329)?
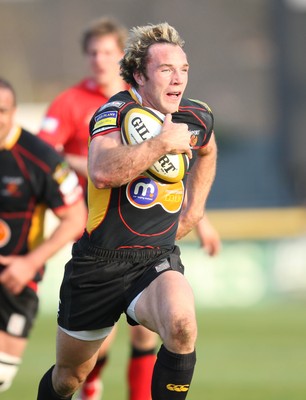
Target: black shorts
(99, 285)
(17, 313)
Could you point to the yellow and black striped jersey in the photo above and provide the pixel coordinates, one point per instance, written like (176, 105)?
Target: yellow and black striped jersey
(144, 212)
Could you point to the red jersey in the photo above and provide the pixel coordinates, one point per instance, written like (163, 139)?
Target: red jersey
(66, 123)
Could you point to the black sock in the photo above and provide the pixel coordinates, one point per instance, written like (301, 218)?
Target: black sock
(135, 353)
(45, 388)
(172, 375)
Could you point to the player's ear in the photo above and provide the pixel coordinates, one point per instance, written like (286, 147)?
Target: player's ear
(139, 78)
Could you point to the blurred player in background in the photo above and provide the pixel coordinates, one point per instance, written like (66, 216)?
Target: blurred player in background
(33, 177)
(66, 127)
(66, 123)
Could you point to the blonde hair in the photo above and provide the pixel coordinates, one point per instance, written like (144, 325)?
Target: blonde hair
(102, 27)
(138, 44)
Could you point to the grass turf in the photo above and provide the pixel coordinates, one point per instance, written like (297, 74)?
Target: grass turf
(256, 353)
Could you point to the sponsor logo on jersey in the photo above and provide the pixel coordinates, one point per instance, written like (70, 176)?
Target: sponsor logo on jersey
(106, 115)
(194, 137)
(144, 192)
(177, 388)
(5, 233)
(11, 186)
(117, 104)
(106, 119)
(195, 132)
(61, 172)
(68, 183)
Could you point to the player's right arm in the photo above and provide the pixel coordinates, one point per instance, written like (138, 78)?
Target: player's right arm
(199, 183)
(112, 164)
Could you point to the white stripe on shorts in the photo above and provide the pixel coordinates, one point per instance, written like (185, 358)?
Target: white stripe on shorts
(131, 308)
(89, 335)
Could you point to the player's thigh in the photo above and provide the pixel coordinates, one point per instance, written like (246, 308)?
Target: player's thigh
(105, 347)
(168, 297)
(75, 354)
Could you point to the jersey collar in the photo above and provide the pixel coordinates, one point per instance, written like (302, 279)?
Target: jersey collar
(12, 137)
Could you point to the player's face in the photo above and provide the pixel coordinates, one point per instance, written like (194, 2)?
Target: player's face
(166, 77)
(103, 54)
(7, 112)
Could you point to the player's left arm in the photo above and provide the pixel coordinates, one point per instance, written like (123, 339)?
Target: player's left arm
(209, 236)
(199, 183)
(78, 163)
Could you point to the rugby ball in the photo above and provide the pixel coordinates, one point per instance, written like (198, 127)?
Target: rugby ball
(141, 124)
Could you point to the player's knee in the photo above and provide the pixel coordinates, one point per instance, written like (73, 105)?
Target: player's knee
(8, 369)
(183, 332)
(67, 381)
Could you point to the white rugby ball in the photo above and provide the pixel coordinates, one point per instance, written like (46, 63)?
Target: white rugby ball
(144, 123)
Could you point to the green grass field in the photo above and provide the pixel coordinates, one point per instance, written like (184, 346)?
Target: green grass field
(256, 353)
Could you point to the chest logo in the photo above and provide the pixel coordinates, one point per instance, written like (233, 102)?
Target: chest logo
(144, 192)
(11, 186)
(5, 233)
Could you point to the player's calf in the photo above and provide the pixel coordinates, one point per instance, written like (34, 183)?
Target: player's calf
(172, 375)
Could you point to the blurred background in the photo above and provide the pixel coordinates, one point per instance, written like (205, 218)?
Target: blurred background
(248, 62)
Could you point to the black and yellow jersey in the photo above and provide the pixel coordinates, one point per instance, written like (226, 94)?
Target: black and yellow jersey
(33, 177)
(144, 212)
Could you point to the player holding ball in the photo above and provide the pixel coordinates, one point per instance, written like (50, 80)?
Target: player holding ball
(127, 260)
